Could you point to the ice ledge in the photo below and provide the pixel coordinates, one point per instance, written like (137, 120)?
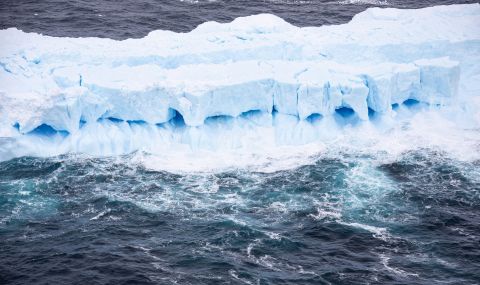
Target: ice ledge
(289, 87)
(198, 92)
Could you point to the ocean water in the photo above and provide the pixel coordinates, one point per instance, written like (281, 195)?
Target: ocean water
(342, 216)
(344, 219)
(135, 19)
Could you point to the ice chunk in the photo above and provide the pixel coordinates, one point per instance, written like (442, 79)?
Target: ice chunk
(256, 80)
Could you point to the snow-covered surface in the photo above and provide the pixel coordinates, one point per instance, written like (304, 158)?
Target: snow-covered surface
(252, 84)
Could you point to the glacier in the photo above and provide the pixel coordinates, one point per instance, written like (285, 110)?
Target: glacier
(254, 83)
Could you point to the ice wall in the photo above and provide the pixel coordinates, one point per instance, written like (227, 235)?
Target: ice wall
(256, 80)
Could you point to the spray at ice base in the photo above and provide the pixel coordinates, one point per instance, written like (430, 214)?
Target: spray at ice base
(391, 78)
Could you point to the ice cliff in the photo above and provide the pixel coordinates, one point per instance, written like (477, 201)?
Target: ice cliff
(231, 85)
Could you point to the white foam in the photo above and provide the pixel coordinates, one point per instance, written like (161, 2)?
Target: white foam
(427, 129)
(364, 2)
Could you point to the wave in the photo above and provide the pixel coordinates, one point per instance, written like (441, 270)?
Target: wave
(363, 2)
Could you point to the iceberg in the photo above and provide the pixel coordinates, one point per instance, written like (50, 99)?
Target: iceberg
(252, 82)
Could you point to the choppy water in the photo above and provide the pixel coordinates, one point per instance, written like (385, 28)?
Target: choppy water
(343, 220)
(347, 218)
(134, 19)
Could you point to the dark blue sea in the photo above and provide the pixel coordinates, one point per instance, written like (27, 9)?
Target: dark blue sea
(345, 219)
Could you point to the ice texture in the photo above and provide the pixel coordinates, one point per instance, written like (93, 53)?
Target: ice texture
(226, 85)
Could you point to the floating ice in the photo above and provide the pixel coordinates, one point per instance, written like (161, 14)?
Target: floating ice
(253, 83)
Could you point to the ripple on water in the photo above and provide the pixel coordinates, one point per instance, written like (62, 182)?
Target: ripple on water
(341, 219)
